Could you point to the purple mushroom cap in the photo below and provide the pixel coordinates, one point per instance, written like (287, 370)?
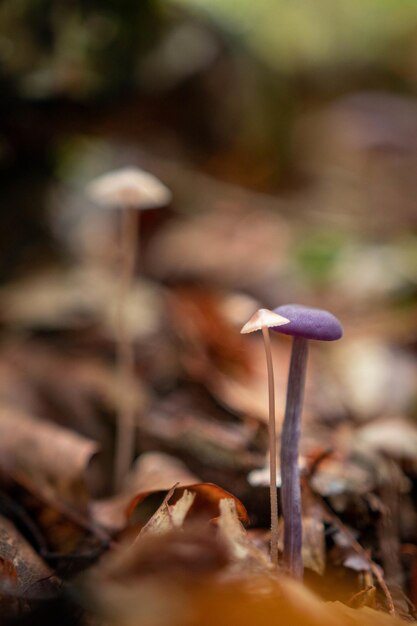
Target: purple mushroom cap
(309, 323)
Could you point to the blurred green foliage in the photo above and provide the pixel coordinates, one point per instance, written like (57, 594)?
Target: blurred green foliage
(308, 34)
(316, 254)
(87, 47)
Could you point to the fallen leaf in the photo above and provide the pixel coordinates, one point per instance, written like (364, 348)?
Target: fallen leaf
(179, 510)
(166, 557)
(51, 459)
(191, 424)
(23, 574)
(246, 393)
(168, 517)
(207, 499)
(242, 550)
(157, 472)
(207, 339)
(76, 298)
(152, 472)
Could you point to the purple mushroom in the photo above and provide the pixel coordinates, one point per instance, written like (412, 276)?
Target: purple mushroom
(305, 323)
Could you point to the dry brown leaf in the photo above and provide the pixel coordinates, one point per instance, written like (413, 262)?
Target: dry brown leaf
(155, 472)
(23, 574)
(208, 339)
(178, 511)
(357, 464)
(206, 502)
(165, 547)
(246, 392)
(168, 517)
(14, 387)
(45, 457)
(191, 424)
(71, 390)
(152, 472)
(159, 559)
(242, 550)
(210, 575)
(78, 297)
(49, 373)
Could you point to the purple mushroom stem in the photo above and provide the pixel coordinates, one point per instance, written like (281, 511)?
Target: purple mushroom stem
(290, 438)
(305, 324)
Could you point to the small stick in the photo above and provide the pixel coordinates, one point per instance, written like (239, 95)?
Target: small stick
(125, 352)
(359, 595)
(272, 448)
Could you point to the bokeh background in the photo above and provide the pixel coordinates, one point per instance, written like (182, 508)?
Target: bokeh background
(287, 132)
(306, 110)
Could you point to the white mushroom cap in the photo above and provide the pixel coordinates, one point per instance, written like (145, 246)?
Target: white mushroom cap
(262, 318)
(129, 187)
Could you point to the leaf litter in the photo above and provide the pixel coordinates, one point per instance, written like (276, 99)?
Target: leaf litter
(185, 540)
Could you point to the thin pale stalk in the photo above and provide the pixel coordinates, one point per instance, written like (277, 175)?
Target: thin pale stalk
(125, 352)
(291, 490)
(272, 448)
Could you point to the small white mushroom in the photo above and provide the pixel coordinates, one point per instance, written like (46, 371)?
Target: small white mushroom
(129, 187)
(262, 320)
(129, 190)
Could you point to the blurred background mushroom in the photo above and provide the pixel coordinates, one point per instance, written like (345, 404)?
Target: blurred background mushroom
(131, 191)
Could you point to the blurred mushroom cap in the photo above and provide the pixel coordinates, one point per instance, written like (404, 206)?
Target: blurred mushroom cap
(263, 317)
(309, 322)
(129, 187)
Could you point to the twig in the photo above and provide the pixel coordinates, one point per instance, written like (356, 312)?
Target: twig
(359, 594)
